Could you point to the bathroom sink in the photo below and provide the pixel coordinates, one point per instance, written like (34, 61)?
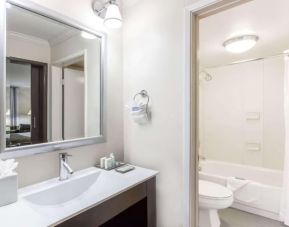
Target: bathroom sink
(63, 191)
(54, 201)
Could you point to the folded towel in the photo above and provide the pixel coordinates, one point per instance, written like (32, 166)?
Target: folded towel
(140, 119)
(139, 112)
(250, 193)
(234, 184)
(244, 191)
(7, 167)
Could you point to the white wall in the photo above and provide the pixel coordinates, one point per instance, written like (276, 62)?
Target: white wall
(74, 112)
(27, 47)
(56, 104)
(91, 49)
(274, 121)
(40, 167)
(228, 102)
(154, 60)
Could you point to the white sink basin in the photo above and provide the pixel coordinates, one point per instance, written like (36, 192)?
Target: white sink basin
(63, 191)
(53, 201)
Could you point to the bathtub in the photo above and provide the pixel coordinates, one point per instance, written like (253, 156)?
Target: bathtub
(269, 185)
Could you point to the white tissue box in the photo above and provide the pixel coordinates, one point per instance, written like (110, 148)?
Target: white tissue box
(8, 189)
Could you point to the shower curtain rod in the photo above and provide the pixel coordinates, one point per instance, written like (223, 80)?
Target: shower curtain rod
(244, 61)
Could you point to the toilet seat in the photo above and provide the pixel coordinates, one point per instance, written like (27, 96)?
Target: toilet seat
(212, 197)
(214, 191)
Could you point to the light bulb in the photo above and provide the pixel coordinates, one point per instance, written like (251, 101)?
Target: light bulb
(241, 44)
(113, 17)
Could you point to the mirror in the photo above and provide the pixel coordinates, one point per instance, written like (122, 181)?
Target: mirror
(53, 81)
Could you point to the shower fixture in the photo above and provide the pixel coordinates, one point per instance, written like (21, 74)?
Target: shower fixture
(109, 11)
(207, 76)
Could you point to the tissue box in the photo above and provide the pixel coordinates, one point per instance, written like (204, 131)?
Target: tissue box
(8, 189)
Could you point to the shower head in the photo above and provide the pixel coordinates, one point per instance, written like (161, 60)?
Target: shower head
(206, 76)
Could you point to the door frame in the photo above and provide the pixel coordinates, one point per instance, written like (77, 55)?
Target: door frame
(192, 14)
(44, 95)
(62, 62)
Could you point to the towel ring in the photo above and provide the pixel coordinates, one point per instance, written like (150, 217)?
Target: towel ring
(143, 94)
(144, 116)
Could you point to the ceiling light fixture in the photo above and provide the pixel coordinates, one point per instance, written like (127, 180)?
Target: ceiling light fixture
(87, 35)
(240, 44)
(109, 11)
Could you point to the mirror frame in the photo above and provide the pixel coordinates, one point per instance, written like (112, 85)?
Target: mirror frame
(16, 152)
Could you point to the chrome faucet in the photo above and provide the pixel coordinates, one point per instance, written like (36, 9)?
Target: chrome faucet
(64, 169)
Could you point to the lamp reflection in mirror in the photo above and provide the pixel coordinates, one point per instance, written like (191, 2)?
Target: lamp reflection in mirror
(87, 35)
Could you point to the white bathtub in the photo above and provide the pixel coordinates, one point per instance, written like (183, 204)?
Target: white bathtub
(269, 187)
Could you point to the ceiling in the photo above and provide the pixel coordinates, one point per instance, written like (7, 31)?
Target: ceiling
(25, 22)
(266, 18)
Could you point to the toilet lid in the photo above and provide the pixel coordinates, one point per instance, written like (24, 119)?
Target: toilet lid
(212, 190)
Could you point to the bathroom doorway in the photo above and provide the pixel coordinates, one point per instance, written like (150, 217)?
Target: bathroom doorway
(68, 81)
(238, 66)
(26, 102)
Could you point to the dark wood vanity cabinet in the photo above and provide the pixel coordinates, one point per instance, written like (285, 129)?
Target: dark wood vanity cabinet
(135, 207)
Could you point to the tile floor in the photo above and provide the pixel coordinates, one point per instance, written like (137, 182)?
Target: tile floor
(235, 218)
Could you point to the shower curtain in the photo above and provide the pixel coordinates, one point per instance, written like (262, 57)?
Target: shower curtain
(284, 208)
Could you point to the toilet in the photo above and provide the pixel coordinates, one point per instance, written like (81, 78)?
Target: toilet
(212, 197)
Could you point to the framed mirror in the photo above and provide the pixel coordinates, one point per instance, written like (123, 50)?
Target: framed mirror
(52, 81)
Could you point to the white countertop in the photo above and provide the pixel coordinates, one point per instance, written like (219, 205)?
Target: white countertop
(24, 214)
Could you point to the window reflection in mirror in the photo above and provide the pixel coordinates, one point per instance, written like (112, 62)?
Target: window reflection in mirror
(53, 84)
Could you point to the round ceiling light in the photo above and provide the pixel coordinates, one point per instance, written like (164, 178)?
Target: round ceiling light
(240, 44)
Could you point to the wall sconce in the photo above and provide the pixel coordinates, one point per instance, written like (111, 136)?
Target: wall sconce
(109, 11)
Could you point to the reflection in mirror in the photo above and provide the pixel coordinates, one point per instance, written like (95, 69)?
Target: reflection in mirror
(53, 84)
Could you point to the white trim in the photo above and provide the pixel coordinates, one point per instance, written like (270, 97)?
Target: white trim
(29, 38)
(188, 167)
(2, 72)
(69, 58)
(201, 4)
(187, 122)
(63, 37)
(51, 146)
(85, 94)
